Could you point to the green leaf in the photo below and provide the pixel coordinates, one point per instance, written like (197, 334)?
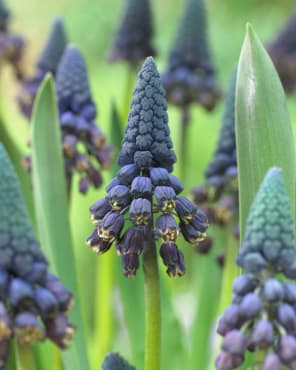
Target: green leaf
(52, 209)
(263, 130)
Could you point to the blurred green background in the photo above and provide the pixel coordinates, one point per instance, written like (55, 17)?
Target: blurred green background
(91, 24)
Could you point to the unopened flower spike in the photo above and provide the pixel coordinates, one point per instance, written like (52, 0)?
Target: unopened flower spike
(219, 195)
(48, 62)
(132, 42)
(11, 45)
(282, 51)
(114, 361)
(84, 144)
(262, 315)
(190, 76)
(33, 301)
(144, 186)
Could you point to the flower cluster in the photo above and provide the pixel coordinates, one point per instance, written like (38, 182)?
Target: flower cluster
(11, 45)
(190, 76)
(262, 316)
(114, 361)
(84, 144)
(219, 195)
(144, 186)
(132, 42)
(282, 52)
(33, 302)
(47, 62)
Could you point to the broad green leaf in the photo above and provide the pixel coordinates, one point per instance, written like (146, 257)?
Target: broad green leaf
(263, 130)
(52, 210)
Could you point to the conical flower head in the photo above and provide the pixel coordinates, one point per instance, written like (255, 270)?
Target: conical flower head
(72, 83)
(147, 139)
(114, 361)
(4, 15)
(191, 48)
(133, 39)
(54, 47)
(190, 76)
(226, 146)
(219, 193)
(143, 186)
(269, 236)
(262, 316)
(28, 292)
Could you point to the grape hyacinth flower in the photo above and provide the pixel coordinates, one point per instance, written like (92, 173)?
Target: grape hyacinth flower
(84, 144)
(132, 41)
(11, 45)
(114, 361)
(48, 62)
(190, 77)
(282, 51)
(218, 197)
(262, 315)
(33, 301)
(144, 186)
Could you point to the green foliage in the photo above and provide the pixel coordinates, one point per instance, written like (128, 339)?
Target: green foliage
(52, 209)
(263, 130)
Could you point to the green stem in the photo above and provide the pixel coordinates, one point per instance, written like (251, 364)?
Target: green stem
(185, 119)
(103, 319)
(24, 357)
(152, 306)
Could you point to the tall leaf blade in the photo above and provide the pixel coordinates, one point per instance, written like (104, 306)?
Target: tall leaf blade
(52, 209)
(263, 130)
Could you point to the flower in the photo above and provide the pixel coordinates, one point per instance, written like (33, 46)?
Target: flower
(84, 144)
(132, 41)
(144, 186)
(190, 77)
(33, 302)
(114, 361)
(282, 52)
(262, 316)
(11, 45)
(219, 195)
(48, 62)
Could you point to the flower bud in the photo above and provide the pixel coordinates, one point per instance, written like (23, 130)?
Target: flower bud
(37, 274)
(290, 293)
(130, 264)
(119, 197)
(132, 241)
(287, 317)
(165, 197)
(166, 228)
(62, 294)
(111, 226)
(250, 306)
(20, 293)
(287, 348)
(176, 184)
(273, 290)
(185, 209)
(99, 209)
(243, 284)
(263, 335)
(159, 176)
(115, 181)
(272, 362)
(59, 330)
(46, 302)
(173, 258)
(127, 173)
(140, 211)
(141, 187)
(234, 342)
(27, 328)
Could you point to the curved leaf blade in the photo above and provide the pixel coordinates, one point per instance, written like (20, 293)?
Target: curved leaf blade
(263, 130)
(52, 209)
